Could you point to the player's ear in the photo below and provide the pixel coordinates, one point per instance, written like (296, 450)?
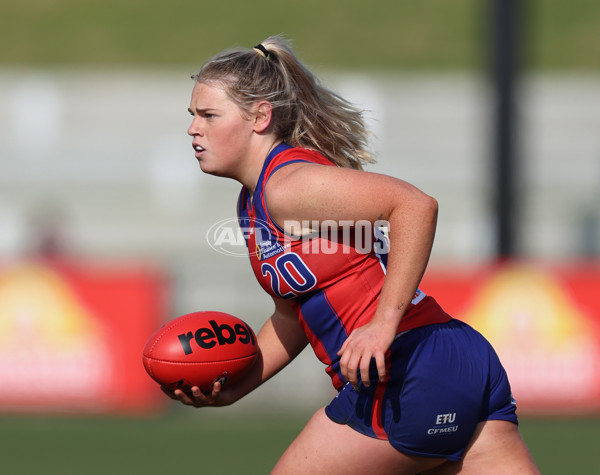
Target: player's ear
(263, 115)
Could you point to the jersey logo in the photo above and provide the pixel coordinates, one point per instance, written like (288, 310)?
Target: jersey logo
(266, 249)
(266, 244)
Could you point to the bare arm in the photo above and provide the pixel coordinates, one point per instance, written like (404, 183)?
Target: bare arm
(317, 192)
(280, 340)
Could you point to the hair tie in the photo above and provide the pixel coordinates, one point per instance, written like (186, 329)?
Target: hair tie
(262, 50)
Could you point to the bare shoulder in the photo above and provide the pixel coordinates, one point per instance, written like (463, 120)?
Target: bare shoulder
(292, 185)
(310, 191)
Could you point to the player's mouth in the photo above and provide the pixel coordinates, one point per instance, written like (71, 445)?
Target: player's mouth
(198, 149)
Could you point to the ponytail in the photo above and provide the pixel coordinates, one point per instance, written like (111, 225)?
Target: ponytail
(305, 113)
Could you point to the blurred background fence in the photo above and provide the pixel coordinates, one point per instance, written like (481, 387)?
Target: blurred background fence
(101, 199)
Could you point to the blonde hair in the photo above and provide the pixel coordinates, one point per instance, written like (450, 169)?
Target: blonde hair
(305, 113)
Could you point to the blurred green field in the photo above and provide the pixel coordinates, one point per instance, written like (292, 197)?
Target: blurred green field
(384, 34)
(196, 443)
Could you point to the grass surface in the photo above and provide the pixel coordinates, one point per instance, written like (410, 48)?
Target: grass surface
(146, 446)
(227, 445)
(389, 34)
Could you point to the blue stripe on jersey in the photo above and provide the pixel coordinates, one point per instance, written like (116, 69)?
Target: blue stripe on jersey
(280, 148)
(325, 323)
(287, 163)
(273, 171)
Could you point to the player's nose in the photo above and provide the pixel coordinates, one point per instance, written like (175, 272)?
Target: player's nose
(194, 128)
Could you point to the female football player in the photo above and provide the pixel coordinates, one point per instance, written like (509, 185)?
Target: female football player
(417, 390)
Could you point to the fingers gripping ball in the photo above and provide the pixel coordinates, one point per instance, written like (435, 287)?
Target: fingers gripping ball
(200, 348)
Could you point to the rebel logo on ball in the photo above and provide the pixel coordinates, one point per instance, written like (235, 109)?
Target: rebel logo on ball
(206, 338)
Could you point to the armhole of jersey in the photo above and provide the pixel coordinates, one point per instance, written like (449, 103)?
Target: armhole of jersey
(281, 165)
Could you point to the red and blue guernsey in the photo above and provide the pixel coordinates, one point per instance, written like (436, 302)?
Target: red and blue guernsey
(332, 279)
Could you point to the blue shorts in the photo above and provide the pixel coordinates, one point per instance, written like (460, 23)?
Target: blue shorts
(442, 380)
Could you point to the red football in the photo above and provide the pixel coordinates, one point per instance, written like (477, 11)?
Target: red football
(200, 348)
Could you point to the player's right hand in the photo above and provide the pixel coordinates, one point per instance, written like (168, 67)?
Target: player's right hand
(196, 398)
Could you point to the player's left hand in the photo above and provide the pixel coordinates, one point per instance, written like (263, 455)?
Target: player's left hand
(365, 343)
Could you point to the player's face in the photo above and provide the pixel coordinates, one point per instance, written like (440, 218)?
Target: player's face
(221, 134)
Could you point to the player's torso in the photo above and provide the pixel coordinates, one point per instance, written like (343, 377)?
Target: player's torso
(332, 276)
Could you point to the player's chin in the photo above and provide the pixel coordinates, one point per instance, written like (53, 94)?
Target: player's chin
(209, 168)
(204, 166)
